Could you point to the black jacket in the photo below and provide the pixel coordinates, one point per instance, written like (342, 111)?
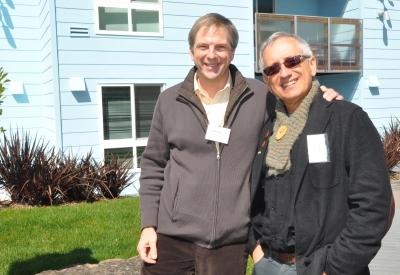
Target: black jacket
(342, 206)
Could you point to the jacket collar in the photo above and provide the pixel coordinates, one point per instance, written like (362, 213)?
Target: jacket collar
(238, 88)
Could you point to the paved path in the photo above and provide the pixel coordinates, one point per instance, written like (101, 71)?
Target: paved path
(387, 261)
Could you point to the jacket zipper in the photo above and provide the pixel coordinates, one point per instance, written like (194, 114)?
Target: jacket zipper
(218, 151)
(216, 195)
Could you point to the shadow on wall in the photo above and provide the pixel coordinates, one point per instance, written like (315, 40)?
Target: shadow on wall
(52, 261)
(82, 96)
(6, 22)
(345, 84)
(332, 8)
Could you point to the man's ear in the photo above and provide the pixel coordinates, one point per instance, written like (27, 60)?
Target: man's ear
(233, 54)
(313, 65)
(191, 53)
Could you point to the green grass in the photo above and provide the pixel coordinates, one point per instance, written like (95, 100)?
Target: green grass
(44, 238)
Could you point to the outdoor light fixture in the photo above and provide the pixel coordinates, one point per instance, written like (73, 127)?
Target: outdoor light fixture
(373, 81)
(16, 88)
(77, 84)
(384, 14)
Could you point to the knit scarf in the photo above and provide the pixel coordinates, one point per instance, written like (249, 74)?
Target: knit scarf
(278, 155)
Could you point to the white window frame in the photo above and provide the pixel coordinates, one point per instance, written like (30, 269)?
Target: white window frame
(127, 142)
(128, 4)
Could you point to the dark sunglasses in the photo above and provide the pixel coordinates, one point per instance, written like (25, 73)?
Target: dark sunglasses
(289, 63)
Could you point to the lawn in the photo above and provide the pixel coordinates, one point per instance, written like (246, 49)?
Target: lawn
(43, 238)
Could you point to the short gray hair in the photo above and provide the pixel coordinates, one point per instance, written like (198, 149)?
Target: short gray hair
(217, 20)
(303, 45)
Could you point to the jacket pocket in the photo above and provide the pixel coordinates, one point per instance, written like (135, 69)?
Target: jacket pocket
(324, 175)
(175, 202)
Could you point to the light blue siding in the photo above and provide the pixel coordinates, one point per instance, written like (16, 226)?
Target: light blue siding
(27, 58)
(36, 49)
(108, 59)
(381, 59)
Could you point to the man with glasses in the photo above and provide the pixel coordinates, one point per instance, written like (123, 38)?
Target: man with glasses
(194, 184)
(320, 188)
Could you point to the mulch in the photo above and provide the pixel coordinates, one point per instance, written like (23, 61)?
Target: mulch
(108, 267)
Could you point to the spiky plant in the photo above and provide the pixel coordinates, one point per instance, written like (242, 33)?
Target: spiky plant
(34, 174)
(391, 143)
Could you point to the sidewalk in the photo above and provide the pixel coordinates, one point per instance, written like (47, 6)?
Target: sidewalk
(387, 261)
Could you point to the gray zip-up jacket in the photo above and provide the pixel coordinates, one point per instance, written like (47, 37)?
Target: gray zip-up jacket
(187, 189)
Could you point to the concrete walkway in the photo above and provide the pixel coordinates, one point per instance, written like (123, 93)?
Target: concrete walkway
(387, 261)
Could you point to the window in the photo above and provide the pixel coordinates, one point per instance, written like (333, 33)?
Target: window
(129, 17)
(335, 42)
(263, 6)
(126, 112)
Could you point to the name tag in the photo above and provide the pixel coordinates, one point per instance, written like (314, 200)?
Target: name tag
(218, 134)
(318, 148)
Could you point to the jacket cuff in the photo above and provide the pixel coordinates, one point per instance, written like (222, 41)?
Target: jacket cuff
(149, 218)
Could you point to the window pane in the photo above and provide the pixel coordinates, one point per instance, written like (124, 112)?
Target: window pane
(267, 24)
(145, 102)
(344, 58)
(139, 152)
(264, 6)
(345, 44)
(145, 21)
(315, 31)
(117, 116)
(120, 153)
(113, 19)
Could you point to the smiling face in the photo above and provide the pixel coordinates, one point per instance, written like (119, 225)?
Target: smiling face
(212, 55)
(289, 85)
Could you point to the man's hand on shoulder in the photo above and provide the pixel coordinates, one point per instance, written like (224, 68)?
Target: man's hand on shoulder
(330, 94)
(147, 246)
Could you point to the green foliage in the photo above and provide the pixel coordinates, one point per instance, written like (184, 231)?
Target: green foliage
(3, 80)
(36, 239)
(34, 174)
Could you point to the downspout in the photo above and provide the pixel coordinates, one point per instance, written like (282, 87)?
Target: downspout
(56, 76)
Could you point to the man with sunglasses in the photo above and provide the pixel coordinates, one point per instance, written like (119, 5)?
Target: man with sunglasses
(320, 189)
(194, 184)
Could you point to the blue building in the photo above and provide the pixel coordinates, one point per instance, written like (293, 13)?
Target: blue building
(86, 74)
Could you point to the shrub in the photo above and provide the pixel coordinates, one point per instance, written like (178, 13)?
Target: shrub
(391, 144)
(34, 174)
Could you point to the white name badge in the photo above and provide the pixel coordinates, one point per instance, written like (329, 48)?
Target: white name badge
(318, 148)
(218, 134)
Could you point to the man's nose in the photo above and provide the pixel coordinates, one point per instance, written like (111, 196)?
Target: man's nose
(284, 72)
(212, 53)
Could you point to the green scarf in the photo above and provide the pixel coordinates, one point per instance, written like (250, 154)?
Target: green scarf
(278, 155)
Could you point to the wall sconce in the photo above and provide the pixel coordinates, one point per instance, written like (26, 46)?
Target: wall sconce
(77, 84)
(373, 81)
(16, 88)
(384, 14)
